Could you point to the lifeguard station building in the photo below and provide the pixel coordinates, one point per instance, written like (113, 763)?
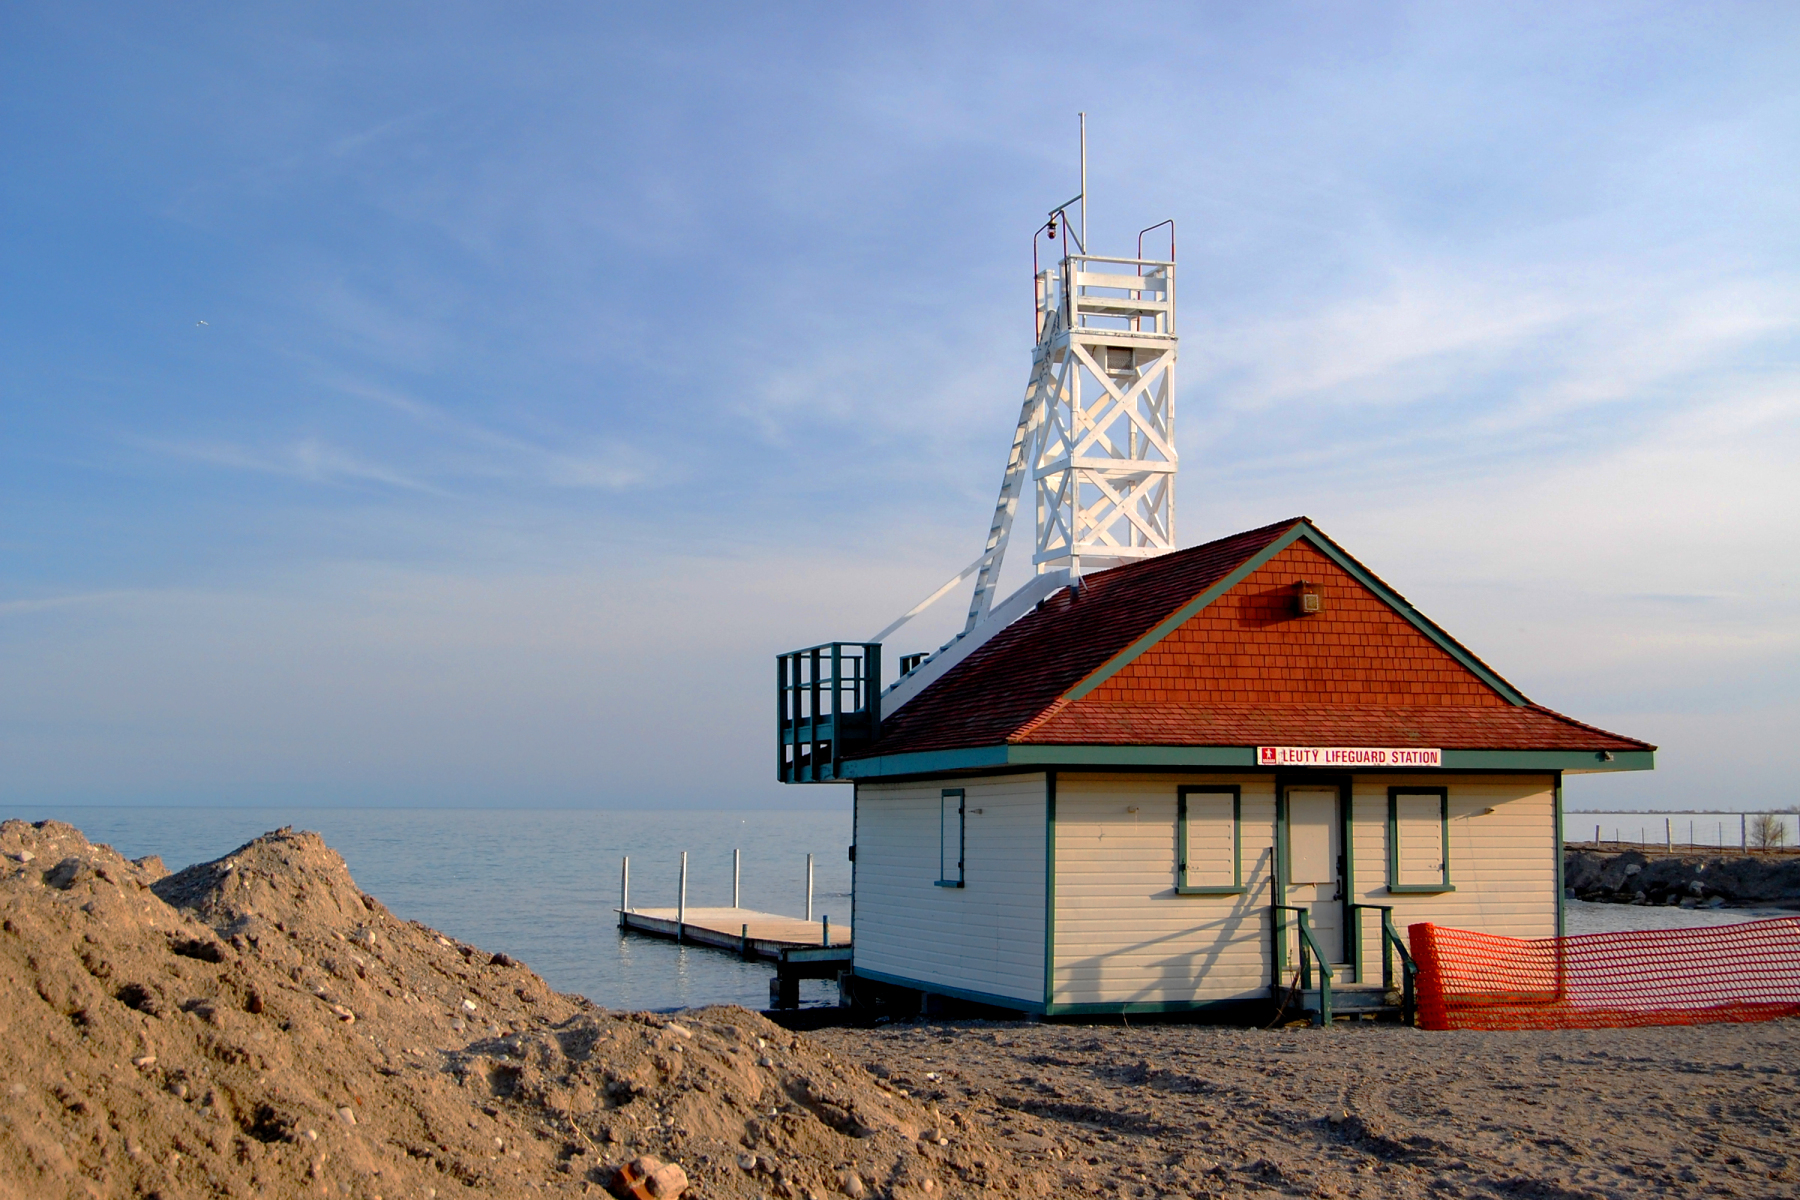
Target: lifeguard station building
(1161, 780)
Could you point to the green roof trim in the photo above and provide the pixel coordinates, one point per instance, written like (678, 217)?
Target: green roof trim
(1330, 549)
(1230, 758)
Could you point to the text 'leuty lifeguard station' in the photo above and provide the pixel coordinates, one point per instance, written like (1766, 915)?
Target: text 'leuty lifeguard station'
(1159, 780)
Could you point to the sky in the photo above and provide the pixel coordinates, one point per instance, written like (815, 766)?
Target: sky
(462, 404)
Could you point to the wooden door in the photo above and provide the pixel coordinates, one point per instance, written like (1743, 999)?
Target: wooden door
(1315, 839)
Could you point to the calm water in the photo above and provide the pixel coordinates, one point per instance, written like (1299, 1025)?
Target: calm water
(1580, 916)
(542, 886)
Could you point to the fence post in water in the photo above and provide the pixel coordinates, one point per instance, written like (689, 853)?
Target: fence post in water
(1668, 836)
(1744, 830)
(624, 889)
(809, 878)
(681, 900)
(737, 875)
(744, 943)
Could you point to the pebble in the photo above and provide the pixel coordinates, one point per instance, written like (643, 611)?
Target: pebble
(26, 856)
(679, 1030)
(148, 1060)
(348, 1114)
(747, 1161)
(468, 1006)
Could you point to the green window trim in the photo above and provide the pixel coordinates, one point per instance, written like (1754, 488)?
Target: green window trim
(1393, 839)
(1236, 886)
(962, 807)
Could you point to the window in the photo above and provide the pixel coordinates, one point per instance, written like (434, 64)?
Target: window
(950, 838)
(1209, 841)
(1419, 840)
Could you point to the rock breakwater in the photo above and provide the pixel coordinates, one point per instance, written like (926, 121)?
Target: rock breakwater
(1692, 881)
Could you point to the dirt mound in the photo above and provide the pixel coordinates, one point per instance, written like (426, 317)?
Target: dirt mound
(258, 1026)
(284, 877)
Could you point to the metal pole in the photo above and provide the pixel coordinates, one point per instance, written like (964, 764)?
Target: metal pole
(809, 887)
(825, 940)
(737, 875)
(624, 889)
(1744, 831)
(1668, 835)
(1084, 241)
(681, 899)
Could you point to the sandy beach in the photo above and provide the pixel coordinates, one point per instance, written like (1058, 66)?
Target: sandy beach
(1364, 1110)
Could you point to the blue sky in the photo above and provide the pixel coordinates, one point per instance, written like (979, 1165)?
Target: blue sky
(461, 404)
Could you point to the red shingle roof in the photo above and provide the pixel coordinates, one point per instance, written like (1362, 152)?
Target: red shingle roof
(1229, 674)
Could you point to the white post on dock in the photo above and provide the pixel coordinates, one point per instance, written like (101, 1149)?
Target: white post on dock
(1668, 835)
(809, 878)
(681, 900)
(737, 875)
(624, 889)
(1744, 831)
(825, 938)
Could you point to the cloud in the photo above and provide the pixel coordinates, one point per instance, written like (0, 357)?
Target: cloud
(310, 459)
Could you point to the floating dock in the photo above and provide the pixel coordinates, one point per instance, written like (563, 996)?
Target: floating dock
(754, 935)
(799, 949)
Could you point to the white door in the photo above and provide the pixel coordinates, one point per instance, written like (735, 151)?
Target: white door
(1315, 864)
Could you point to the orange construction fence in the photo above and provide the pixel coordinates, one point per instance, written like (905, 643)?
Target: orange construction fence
(1749, 971)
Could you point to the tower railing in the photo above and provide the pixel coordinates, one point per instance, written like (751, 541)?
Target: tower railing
(828, 707)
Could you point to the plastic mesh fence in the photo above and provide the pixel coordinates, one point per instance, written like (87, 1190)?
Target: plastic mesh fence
(1742, 972)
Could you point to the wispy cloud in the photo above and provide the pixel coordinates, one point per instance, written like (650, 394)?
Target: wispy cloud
(309, 459)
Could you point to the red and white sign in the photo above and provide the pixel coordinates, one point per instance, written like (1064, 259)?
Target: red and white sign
(1347, 756)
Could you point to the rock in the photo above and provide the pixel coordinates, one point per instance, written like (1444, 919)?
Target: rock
(348, 1113)
(648, 1178)
(851, 1184)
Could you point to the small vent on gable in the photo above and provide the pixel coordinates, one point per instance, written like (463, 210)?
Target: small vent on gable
(1308, 600)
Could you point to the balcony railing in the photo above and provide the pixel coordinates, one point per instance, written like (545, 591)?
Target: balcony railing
(828, 707)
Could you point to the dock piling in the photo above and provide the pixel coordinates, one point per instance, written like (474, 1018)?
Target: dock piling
(825, 939)
(624, 889)
(809, 886)
(744, 943)
(681, 900)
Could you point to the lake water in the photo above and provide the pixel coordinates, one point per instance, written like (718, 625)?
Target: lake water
(543, 886)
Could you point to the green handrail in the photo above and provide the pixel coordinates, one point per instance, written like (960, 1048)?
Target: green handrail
(1309, 950)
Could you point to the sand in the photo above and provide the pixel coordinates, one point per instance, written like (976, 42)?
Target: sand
(1376, 1111)
(257, 1026)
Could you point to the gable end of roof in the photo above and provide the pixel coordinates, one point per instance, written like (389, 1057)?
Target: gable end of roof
(1303, 529)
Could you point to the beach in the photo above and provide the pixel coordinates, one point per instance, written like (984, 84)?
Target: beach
(1365, 1110)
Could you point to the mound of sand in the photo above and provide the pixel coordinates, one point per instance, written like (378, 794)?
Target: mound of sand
(257, 1026)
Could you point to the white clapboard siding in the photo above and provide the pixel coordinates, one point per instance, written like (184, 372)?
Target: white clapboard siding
(1502, 863)
(986, 936)
(1123, 934)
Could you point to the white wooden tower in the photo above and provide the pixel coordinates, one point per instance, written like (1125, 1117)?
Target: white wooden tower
(1095, 443)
